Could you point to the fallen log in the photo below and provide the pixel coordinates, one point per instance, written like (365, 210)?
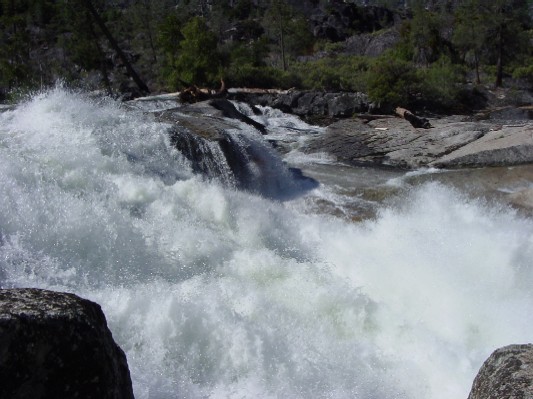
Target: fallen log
(195, 94)
(414, 120)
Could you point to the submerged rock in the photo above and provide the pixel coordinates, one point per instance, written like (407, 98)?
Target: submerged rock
(506, 374)
(57, 345)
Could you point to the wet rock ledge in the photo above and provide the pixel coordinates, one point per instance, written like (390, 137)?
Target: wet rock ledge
(57, 345)
(506, 374)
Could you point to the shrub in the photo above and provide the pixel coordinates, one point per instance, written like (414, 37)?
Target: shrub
(440, 84)
(525, 72)
(392, 81)
(198, 61)
(334, 73)
(247, 75)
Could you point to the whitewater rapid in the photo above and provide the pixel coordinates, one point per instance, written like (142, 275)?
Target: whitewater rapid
(218, 293)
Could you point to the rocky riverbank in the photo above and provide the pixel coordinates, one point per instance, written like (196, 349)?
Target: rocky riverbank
(500, 137)
(452, 142)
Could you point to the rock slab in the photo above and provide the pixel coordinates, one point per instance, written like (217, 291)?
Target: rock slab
(506, 374)
(57, 345)
(449, 144)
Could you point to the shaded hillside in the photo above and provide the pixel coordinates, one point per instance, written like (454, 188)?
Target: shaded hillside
(399, 52)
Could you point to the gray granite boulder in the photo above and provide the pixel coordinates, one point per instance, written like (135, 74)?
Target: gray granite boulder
(502, 145)
(451, 143)
(506, 374)
(57, 345)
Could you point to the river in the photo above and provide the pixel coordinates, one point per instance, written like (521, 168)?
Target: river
(376, 284)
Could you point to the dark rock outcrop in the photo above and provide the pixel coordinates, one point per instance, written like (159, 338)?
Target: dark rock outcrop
(308, 103)
(229, 111)
(57, 345)
(506, 374)
(371, 44)
(210, 134)
(340, 20)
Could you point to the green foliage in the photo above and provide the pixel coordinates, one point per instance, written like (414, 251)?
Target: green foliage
(425, 35)
(525, 72)
(253, 53)
(288, 30)
(393, 81)
(470, 33)
(440, 83)
(257, 44)
(339, 73)
(506, 23)
(198, 61)
(169, 34)
(261, 77)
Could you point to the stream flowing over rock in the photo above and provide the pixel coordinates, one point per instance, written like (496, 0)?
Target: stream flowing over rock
(223, 144)
(307, 103)
(57, 345)
(506, 374)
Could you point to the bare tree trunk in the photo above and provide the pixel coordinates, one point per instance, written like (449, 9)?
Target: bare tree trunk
(282, 43)
(283, 58)
(499, 65)
(103, 65)
(476, 62)
(138, 81)
(414, 120)
(148, 27)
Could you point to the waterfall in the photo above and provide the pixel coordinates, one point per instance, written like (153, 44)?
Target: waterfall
(220, 292)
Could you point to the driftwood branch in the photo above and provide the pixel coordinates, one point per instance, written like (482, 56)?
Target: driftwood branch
(194, 94)
(414, 120)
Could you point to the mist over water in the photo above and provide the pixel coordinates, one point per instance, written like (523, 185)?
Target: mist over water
(217, 293)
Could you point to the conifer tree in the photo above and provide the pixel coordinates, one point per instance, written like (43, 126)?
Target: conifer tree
(470, 32)
(198, 61)
(507, 22)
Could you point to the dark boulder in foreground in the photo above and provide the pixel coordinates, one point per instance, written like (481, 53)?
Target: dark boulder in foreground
(57, 345)
(506, 374)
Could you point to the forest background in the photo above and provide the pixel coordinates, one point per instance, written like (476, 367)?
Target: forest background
(438, 53)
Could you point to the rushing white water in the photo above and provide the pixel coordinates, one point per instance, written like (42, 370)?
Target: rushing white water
(218, 293)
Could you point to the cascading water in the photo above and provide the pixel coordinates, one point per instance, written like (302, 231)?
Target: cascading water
(218, 293)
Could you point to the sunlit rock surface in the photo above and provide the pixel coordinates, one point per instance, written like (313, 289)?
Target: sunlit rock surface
(450, 143)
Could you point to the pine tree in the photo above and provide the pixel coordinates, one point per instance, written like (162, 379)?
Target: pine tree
(198, 61)
(507, 37)
(470, 32)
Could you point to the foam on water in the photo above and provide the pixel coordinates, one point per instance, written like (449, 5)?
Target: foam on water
(221, 294)
(290, 132)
